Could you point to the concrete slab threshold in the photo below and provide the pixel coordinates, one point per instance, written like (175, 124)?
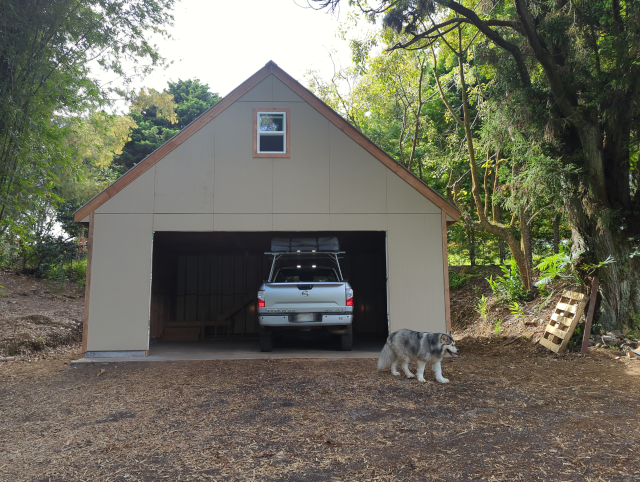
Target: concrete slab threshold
(241, 349)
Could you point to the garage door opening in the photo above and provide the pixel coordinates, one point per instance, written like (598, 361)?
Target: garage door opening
(205, 285)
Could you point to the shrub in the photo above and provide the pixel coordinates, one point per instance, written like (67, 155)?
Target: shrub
(497, 328)
(509, 286)
(559, 265)
(516, 310)
(74, 271)
(457, 280)
(483, 307)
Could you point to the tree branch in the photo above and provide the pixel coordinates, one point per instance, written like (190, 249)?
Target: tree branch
(492, 35)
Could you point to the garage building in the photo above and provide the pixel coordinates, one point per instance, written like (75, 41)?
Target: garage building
(176, 245)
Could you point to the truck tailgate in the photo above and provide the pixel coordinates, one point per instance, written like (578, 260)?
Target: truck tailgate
(305, 297)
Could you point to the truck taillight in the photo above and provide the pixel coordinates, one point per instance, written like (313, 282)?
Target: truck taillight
(349, 293)
(261, 299)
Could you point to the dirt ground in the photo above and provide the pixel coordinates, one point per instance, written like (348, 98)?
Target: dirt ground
(509, 413)
(39, 319)
(512, 411)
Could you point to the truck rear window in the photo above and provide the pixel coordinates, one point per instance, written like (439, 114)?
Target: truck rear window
(294, 275)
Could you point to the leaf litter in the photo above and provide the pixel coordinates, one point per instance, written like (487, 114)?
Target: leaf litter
(552, 418)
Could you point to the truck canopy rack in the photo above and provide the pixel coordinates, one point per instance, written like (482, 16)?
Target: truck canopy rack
(316, 254)
(309, 245)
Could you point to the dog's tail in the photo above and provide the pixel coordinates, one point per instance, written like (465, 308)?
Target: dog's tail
(386, 357)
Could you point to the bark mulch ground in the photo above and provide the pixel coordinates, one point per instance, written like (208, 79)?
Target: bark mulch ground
(510, 413)
(39, 319)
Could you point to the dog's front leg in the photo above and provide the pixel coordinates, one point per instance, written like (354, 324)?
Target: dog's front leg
(405, 369)
(420, 371)
(437, 369)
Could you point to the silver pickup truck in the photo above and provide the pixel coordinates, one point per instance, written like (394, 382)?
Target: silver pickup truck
(305, 292)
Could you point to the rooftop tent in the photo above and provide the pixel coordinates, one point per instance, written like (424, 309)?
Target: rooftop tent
(305, 244)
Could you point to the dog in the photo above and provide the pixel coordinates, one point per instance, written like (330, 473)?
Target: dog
(404, 346)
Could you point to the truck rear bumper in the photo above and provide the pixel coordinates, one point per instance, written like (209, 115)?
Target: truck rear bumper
(286, 320)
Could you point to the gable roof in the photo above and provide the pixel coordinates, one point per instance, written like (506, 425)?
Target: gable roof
(269, 69)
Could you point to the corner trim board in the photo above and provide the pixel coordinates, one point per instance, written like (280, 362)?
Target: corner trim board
(445, 262)
(87, 286)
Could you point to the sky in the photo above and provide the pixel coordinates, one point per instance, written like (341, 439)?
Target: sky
(223, 43)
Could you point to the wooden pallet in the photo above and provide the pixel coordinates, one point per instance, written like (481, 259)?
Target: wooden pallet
(563, 321)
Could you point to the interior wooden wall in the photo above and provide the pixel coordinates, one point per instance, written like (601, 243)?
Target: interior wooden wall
(200, 287)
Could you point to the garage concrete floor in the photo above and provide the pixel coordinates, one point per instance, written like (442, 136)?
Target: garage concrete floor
(246, 349)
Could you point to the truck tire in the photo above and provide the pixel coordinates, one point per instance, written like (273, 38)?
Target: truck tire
(266, 341)
(346, 340)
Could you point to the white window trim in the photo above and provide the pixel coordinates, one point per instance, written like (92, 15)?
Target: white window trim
(286, 134)
(282, 133)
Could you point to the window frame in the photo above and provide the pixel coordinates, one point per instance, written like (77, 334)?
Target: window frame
(287, 137)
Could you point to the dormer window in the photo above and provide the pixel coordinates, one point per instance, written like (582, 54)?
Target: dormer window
(271, 132)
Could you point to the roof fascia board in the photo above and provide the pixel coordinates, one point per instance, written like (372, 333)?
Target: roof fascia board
(246, 86)
(172, 143)
(366, 143)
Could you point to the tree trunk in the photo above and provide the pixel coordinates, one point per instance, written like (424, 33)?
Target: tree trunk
(507, 233)
(471, 236)
(620, 280)
(556, 234)
(525, 244)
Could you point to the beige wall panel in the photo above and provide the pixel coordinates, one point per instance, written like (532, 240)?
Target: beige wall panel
(398, 273)
(120, 282)
(184, 178)
(166, 204)
(301, 222)
(261, 92)
(183, 222)
(242, 222)
(358, 180)
(435, 269)
(416, 289)
(301, 183)
(402, 198)
(358, 222)
(243, 184)
(137, 197)
(282, 93)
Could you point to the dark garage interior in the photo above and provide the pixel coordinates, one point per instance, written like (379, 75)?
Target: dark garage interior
(204, 285)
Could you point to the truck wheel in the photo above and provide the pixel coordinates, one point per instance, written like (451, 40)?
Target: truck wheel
(266, 342)
(346, 340)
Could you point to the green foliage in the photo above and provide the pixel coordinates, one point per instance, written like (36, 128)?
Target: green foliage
(509, 286)
(46, 50)
(29, 245)
(73, 271)
(497, 328)
(563, 265)
(483, 307)
(516, 310)
(576, 338)
(192, 98)
(558, 266)
(161, 115)
(458, 280)
(555, 88)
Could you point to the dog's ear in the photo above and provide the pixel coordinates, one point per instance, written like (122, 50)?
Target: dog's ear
(445, 339)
